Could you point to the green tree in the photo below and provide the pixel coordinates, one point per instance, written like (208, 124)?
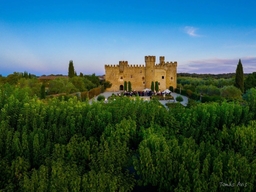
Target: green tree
(152, 86)
(61, 85)
(156, 86)
(125, 85)
(81, 74)
(230, 92)
(106, 84)
(71, 69)
(250, 97)
(129, 86)
(78, 82)
(239, 78)
(88, 84)
(250, 81)
(42, 96)
(13, 78)
(179, 99)
(101, 98)
(94, 79)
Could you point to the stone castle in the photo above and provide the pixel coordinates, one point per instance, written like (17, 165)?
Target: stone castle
(140, 76)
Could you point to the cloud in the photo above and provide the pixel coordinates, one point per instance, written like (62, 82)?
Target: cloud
(191, 31)
(218, 66)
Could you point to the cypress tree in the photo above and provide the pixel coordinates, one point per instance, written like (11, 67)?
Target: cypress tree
(129, 86)
(71, 69)
(239, 79)
(156, 86)
(125, 85)
(152, 86)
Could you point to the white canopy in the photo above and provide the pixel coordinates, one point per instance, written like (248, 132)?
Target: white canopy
(147, 89)
(166, 91)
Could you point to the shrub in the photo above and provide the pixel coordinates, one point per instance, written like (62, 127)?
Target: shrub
(179, 99)
(101, 98)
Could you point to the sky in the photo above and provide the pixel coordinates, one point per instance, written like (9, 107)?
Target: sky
(203, 36)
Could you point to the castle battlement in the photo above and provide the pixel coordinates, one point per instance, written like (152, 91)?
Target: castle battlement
(171, 63)
(129, 66)
(150, 58)
(136, 66)
(111, 66)
(123, 62)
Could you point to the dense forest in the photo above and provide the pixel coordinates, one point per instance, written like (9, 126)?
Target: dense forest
(70, 144)
(125, 145)
(54, 85)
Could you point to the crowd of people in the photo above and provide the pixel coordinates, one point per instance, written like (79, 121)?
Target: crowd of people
(142, 93)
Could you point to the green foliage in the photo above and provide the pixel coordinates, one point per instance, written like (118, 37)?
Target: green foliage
(250, 81)
(125, 85)
(193, 82)
(250, 97)
(42, 96)
(156, 86)
(93, 79)
(162, 97)
(210, 90)
(88, 84)
(106, 84)
(71, 69)
(61, 85)
(79, 83)
(239, 78)
(179, 98)
(13, 79)
(152, 86)
(32, 85)
(231, 93)
(129, 86)
(101, 98)
(69, 145)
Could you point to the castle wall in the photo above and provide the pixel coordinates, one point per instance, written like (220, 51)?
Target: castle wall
(133, 73)
(141, 76)
(160, 76)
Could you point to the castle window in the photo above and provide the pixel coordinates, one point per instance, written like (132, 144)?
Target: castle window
(121, 77)
(140, 71)
(131, 76)
(171, 78)
(158, 83)
(143, 83)
(143, 78)
(162, 77)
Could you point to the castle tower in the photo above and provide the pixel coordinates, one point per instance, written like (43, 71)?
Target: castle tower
(122, 66)
(171, 74)
(161, 59)
(150, 70)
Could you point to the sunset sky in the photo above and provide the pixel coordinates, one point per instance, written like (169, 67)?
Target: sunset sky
(203, 36)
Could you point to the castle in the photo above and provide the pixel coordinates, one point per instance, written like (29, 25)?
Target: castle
(140, 76)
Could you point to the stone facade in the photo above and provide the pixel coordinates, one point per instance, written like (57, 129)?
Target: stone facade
(141, 76)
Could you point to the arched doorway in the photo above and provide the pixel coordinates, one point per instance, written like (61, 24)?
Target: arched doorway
(121, 88)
